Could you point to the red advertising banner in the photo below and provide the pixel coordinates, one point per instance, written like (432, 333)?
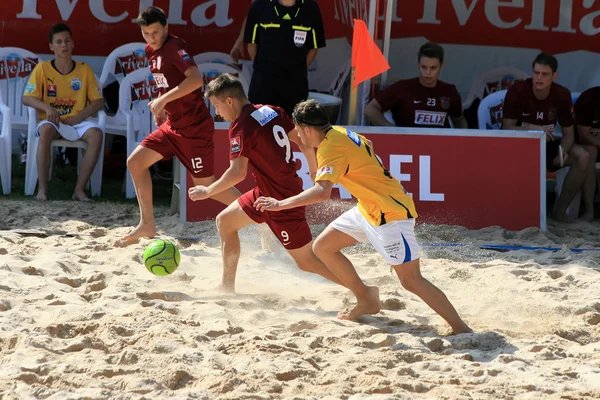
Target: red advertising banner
(461, 177)
(100, 26)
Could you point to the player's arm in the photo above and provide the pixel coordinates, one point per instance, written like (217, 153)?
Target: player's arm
(568, 139)
(91, 109)
(193, 80)
(374, 112)
(308, 151)
(252, 50)
(237, 50)
(316, 194)
(585, 134)
(310, 56)
(238, 168)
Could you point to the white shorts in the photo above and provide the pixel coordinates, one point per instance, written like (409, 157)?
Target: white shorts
(395, 240)
(80, 128)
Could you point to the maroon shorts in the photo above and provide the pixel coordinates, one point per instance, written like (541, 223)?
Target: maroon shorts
(289, 226)
(192, 145)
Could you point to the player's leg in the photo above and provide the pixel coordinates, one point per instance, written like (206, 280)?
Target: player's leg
(411, 279)
(397, 244)
(139, 163)
(588, 190)
(578, 159)
(229, 221)
(47, 133)
(293, 232)
(92, 135)
(342, 233)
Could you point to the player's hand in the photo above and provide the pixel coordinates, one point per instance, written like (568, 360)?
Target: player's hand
(198, 193)
(549, 134)
(557, 161)
(267, 204)
(72, 121)
(237, 51)
(160, 118)
(52, 115)
(157, 106)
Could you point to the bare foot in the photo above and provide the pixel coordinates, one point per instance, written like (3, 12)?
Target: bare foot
(136, 234)
(562, 217)
(465, 329)
(41, 197)
(80, 197)
(369, 305)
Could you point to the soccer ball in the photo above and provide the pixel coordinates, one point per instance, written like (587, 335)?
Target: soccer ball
(161, 257)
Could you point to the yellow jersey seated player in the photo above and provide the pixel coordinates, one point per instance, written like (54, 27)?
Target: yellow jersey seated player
(64, 91)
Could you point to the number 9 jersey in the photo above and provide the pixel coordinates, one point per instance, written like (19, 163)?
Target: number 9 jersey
(260, 134)
(346, 158)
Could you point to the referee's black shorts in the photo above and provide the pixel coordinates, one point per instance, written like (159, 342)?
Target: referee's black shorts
(276, 91)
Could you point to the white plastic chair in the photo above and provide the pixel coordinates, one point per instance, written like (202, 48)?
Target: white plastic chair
(120, 62)
(31, 172)
(493, 81)
(5, 147)
(489, 113)
(214, 57)
(212, 70)
(18, 63)
(136, 91)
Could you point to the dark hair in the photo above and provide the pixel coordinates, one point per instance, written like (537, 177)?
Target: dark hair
(151, 15)
(225, 85)
(431, 50)
(311, 113)
(58, 28)
(546, 59)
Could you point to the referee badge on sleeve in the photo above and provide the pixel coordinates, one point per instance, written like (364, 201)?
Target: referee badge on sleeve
(299, 38)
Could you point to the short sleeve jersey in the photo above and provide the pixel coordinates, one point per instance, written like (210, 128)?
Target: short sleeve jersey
(587, 108)
(284, 35)
(345, 157)
(68, 94)
(260, 134)
(414, 105)
(168, 65)
(521, 104)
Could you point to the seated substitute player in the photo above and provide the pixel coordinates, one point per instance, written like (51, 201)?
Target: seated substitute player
(259, 138)
(422, 102)
(185, 127)
(587, 117)
(385, 214)
(538, 103)
(64, 91)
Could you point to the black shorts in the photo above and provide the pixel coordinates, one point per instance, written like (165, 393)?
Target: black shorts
(275, 91)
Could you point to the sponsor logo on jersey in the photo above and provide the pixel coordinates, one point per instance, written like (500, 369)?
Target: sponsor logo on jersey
(236, 146)
(354, 137)
(30, 88)
(325, 170)
(445, 102)
(75, 84)
(183, 54)
(51, 90)
(299, 38)
(160, 80)
(264, 115)
(430, 118)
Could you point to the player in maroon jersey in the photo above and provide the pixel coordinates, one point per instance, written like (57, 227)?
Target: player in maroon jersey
(587, 117)
(185, 127)
(422, 102)
(538, 103)
(259, 138)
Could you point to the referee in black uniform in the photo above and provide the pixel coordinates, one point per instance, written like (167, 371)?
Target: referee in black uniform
(283, 37)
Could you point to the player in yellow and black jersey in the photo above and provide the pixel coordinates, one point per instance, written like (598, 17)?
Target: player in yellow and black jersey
(385, 214)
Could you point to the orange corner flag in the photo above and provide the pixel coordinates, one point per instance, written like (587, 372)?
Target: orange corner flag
(367, 59)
